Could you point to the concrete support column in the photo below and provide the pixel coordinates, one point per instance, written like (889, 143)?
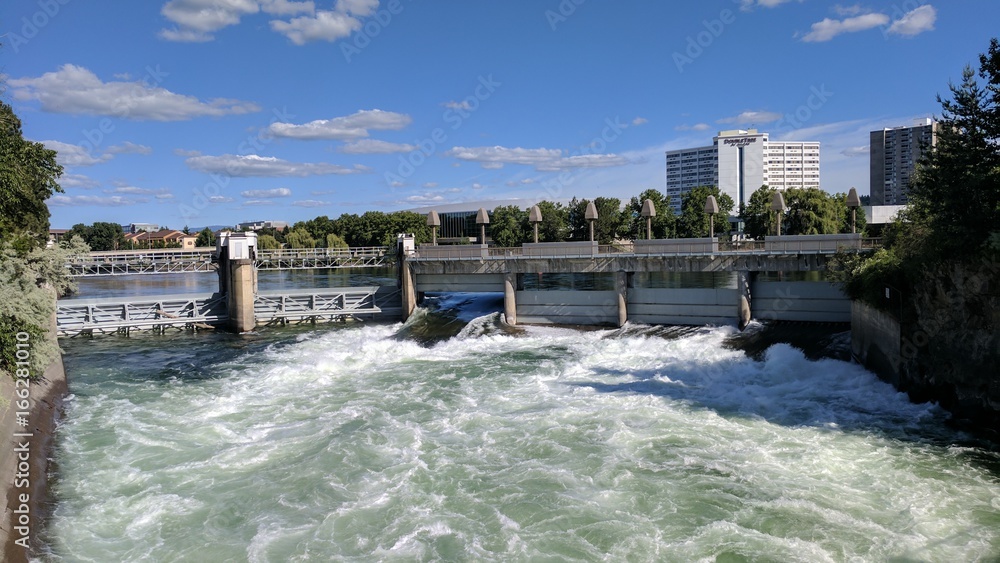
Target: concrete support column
(509, 298)
(242, 292)
(744, 311)
(408, 289)
(621, 289)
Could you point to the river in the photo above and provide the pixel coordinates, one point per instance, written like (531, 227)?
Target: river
(456, 438)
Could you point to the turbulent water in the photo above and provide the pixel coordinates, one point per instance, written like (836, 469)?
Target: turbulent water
(455, 438)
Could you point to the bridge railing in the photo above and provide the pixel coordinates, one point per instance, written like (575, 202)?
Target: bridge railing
(802, 244)
(294, 253)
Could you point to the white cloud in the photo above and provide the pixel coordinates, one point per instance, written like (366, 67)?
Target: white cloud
(915, 22)
(197, 19)
(165, 196)
(695, 127)
(186, 153)
(134, 190)
(220, 199)
(372, 146)
(546, 160)
(324, 26)
(856, 151)
(430, 185)
(751, 117)
(128, 147)
(425, 198)
(267, 194)
(829, 28)
(310, 203)
(74, 155)
(78, 181)
(464, 105)
(747, 5)
(286, 7)
(848, 10)
(79, 200)
(75, 90)
(640, 121)
(244, 166)
(257, 202)
(345, 128)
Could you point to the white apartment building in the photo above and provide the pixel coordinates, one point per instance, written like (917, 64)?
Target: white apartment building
(739, 162)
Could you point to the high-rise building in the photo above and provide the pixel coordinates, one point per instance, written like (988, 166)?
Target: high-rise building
(739, 162)
(894, 155)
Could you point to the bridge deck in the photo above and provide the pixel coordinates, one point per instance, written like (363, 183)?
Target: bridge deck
(205, 310)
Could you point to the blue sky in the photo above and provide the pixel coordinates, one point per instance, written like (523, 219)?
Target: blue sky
(194, 112)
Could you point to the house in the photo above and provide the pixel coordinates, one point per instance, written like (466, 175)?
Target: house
(163, 238)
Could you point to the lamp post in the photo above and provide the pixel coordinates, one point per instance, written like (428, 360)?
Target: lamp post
(779, 207)
(649, 211)
(853, 202)
(433, 221)
(711, 207)
(535, 217)
(482, 219)
(591, 216)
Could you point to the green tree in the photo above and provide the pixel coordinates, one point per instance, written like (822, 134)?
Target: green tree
(693, 221)
(555, 221)
(860, 221)
(664, 225)
(28, 174)
(207, 238)
(956, 191)
(300, 238)
(509, 226)
(758, 219)
(106, 236)
(267, 242)
(811, 211)
(609, 225)
(333, 240)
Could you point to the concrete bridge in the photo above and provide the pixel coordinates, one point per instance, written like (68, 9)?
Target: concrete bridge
(632, 297)
(626, 290)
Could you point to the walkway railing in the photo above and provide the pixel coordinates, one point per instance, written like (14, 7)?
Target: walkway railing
(156, 312)
(804, 244)
(318, 304)
(177, 261)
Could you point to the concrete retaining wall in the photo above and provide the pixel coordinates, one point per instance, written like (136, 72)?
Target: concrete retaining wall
(875, 341)
(799, 301)
(683, 306)
(460, 283)
(567, 307)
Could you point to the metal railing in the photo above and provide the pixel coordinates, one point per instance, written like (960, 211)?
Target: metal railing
(156, 312)
(628, 248)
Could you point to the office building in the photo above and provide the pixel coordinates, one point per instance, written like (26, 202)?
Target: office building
(894, 155)
(739, 162)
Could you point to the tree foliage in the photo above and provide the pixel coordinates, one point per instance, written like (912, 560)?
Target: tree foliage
(555, 222)
(207, 238)
(693, 221)
(28, 174)
(758, 219)
(509, 226)
(100, 236)
(267, 242)
(664, 224)
(608, 227)
(300, 238)
(954, 202)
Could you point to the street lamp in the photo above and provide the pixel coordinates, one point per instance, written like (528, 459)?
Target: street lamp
(482, 219)
(535, 217)
(591, 216)
(779, 207)
(711, 207)
(649, 211)
(853, 202)
(433, 221)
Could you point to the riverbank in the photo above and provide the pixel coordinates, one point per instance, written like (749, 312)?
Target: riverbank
(26, 494)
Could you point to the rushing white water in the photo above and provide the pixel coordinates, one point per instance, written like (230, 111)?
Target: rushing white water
(547, 444)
